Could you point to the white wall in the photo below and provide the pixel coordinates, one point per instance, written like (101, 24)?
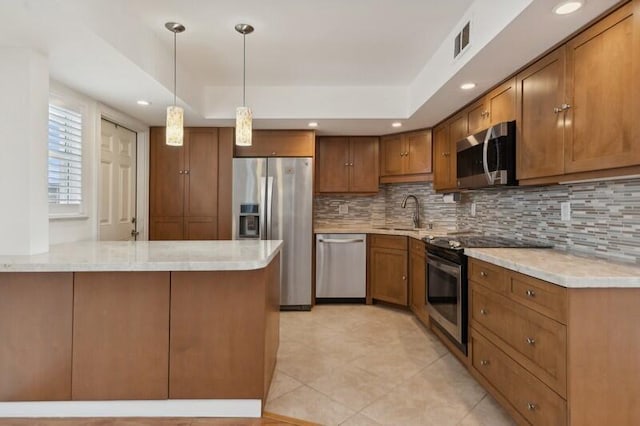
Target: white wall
(85, 226)
(24, 85)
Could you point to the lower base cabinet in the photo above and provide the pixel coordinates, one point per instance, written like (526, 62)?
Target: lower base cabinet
(388, 269)
(417, 280)
(552, 355)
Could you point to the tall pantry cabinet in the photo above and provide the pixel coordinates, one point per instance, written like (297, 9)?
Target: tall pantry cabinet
(190, 185)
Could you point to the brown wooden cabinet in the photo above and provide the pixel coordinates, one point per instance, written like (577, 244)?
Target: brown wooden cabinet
(603, 92)
(548, 354)
(444, 158)
(279, 143)
(190, 186)
(406, 157)
(347, 164)
(388, 268)
(576, 105)
(120, 335)
(417, 280)
(36, 314)
(497, 106)
(540, 127)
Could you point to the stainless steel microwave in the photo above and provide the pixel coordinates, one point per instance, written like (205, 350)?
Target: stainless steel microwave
(487, 158)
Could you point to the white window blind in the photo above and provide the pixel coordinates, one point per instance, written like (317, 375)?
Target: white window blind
(65, 156)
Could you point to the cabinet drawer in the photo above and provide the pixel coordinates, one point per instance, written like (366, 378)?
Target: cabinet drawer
(530, 397)
(537, 342)
(416, 245)
(490, 275)
(546, 298)
(389, 241)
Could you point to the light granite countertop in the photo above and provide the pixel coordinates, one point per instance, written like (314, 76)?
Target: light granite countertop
(562, 268)
(88, 256)
(415, 233)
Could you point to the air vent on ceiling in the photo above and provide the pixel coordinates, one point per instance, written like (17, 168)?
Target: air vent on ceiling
(462, 40)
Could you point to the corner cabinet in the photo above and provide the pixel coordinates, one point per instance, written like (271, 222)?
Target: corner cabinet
(347, 165)
(388, 269)
(406, 157)
(187, 183)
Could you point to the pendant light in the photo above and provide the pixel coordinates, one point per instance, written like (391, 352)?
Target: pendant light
(244, 116)
(175, 114)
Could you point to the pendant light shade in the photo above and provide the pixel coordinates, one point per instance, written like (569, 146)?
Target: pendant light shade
(175, 114)
(244, 116)
(175, 125)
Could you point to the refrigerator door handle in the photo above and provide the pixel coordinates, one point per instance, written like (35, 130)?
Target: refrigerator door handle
(269, 207)
(263, 208)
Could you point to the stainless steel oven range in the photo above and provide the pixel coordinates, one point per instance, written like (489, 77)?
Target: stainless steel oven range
(446, 281)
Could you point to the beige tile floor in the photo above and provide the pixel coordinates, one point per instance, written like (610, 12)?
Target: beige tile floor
(368, 365)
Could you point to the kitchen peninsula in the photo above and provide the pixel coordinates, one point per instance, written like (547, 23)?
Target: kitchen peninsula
(143, 328)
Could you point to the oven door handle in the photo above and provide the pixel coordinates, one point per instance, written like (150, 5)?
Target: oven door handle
(451, 269)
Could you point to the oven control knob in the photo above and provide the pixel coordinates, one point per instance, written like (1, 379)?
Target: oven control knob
(454, 244)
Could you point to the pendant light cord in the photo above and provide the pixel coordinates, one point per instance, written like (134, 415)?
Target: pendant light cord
(175, 55)
(244, 68)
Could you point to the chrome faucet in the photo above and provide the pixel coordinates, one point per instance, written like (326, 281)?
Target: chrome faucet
(416, 213)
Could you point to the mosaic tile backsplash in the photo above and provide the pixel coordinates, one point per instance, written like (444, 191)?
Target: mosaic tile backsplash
(605, 216)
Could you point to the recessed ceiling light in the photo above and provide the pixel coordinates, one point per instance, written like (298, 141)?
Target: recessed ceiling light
(313, 124)
(567, 7)
(143, 102)
(467, 86)
(396, 124)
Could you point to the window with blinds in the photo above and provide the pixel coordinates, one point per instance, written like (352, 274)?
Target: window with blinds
(65, 156)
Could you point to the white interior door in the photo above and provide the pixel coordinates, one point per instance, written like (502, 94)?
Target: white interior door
(117, 183)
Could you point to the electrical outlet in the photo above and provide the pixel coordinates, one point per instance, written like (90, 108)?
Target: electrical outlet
(343, 209)
(473, 209)
(565, 211)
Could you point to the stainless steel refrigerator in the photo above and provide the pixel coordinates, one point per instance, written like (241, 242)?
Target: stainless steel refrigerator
(272, 200)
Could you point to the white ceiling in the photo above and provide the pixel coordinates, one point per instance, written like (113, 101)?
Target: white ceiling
(354, 66)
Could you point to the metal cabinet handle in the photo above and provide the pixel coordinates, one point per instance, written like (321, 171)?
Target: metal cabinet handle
(484, 311)
(351, 164)
(181, 171)
(404, 278)
(346, 164)
(565, 107)
(445, 154)
(531, 293)
(557, 110)
(186, 172)
(483, 274)
(531, 406)
(273, 153)
(484, 362)
(531, 341)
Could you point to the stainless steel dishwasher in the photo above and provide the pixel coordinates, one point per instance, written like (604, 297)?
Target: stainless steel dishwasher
(341, 267)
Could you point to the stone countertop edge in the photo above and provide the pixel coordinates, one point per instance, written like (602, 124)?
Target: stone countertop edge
(419, 233)
(562, 268)
(120, 256)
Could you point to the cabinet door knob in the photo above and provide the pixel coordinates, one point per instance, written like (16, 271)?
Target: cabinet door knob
(273, 153)
(483, 311)
(351, 164)
(484, 362)
(531, 406)
(181, 172)
(531, 293)
(346, 164)
(557, 110)
(483, 274)
(186, 172)
(531, 341)
(404, 278)
(565, 107)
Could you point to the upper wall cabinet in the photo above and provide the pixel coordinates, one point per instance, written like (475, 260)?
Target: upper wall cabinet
(603, 94)
(347, 164)
(279, 143)
(578, 106)
(406, 157)
(497, 106)
(540, 124)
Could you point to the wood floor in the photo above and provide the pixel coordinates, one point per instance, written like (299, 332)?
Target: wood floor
(269, 419)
